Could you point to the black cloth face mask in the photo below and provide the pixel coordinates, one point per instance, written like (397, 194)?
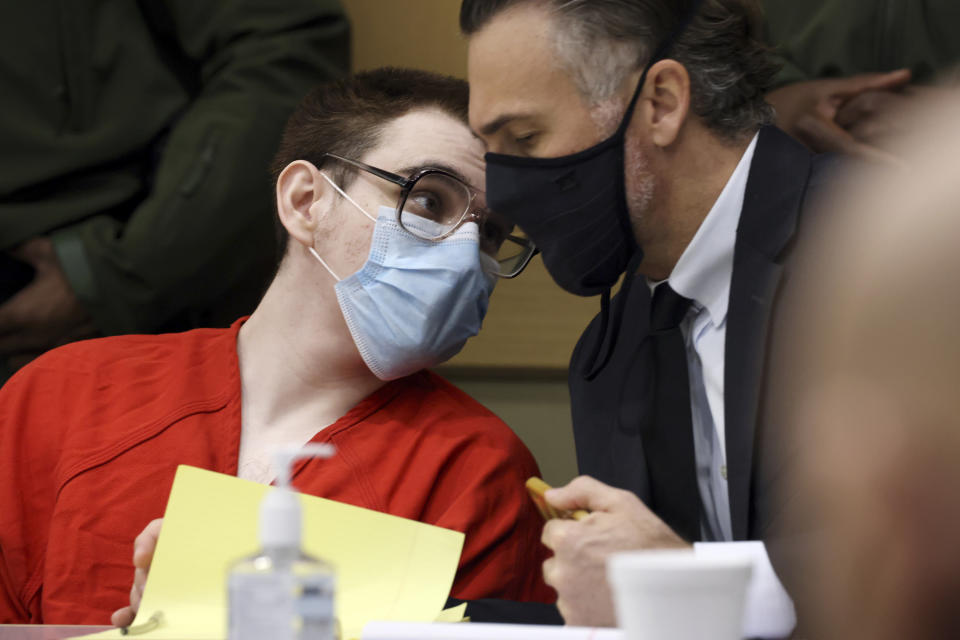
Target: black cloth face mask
(574, 207)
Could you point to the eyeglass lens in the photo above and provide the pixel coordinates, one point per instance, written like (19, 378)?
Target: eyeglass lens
(436, 203)
(437, 198)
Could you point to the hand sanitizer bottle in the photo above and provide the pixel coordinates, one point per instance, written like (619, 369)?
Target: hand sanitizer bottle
(281, 593)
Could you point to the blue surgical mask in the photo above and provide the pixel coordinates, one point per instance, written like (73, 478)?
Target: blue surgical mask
(415, 302)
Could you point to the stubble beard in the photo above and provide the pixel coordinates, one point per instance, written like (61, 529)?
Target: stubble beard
(639, 181)
(640, 186)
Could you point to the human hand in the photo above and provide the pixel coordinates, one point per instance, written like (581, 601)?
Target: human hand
(883, 118)
(618, 521)
(143, 548)
(809, 111)
(45, 313)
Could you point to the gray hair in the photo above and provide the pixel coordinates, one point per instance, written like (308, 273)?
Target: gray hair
(601, 42)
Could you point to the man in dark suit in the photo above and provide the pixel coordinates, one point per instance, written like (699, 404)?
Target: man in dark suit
(631, 137)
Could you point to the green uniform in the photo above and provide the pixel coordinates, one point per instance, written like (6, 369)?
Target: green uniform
(837, 38)
(137, 136)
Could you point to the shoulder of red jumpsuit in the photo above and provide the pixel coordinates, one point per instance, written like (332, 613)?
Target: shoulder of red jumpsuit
(443, 412)
(86, 398)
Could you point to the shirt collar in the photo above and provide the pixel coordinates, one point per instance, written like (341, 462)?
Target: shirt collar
(705, 268)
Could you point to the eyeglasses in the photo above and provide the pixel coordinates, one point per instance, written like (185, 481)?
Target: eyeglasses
(434, 203)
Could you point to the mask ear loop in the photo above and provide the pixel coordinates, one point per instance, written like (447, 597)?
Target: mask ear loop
(593, 368)
(351, 201)
(325, 265)
(659, 54)
(347, 197)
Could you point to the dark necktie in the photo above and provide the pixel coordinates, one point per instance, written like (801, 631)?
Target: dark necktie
(668, 432)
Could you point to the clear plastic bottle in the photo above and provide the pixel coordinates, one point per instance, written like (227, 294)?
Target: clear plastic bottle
(281, 593)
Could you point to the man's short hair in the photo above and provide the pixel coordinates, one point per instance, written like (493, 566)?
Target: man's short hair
(347, 118)
(600, 42)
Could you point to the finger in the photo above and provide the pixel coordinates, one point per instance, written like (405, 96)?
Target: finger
(122, 617)
(876, 114)
(135, 596)
(878, 132)
(825, 135)
(33, 251)
(892, 116)
(555, 532)
(846, 88)
(856, 108)
(550, 572)
(145, 544)
(585, 493)
(140, 579)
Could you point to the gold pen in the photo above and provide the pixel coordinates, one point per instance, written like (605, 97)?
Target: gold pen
(537, 487)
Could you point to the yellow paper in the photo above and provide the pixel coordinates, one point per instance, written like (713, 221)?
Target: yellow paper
(453, 614)
(388, 568)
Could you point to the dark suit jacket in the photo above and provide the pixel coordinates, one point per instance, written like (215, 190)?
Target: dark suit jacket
(608, 415)
(614, 438)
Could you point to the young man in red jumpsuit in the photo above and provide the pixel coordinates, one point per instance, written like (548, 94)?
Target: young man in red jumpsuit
(388, 263)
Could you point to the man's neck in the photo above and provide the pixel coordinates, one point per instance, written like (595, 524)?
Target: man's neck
(298, 362)
(691, 181)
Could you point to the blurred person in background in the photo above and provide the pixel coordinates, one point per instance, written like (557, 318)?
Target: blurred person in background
(135, 139)
(852, 68)
(871, 330)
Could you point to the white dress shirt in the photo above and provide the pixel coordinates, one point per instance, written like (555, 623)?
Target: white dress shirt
(703, 275)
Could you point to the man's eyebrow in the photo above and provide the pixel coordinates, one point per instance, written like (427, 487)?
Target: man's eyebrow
(492, 127)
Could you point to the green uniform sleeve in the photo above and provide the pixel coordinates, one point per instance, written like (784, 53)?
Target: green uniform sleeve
(790, 72)
(201, 245)
(842, 38)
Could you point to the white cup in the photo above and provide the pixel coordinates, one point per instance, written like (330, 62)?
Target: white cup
(676, 595)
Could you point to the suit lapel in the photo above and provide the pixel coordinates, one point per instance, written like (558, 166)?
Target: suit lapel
(775, 189)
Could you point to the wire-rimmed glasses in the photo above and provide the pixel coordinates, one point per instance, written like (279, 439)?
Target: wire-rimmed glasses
(433, 203)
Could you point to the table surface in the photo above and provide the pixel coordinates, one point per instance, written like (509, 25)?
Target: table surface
(45, 631)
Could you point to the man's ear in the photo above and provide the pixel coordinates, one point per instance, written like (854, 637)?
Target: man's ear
(665, 101)
(303, 197)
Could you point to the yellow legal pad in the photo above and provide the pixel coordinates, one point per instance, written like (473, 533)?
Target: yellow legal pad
(388, 568)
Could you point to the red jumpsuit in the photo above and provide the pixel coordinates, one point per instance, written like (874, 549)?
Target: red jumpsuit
(91, 435)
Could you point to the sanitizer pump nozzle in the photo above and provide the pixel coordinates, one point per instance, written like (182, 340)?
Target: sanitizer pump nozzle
(280, 592)
(280, 518)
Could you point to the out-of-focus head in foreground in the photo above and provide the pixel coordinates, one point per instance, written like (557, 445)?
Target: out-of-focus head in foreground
(877, 341)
